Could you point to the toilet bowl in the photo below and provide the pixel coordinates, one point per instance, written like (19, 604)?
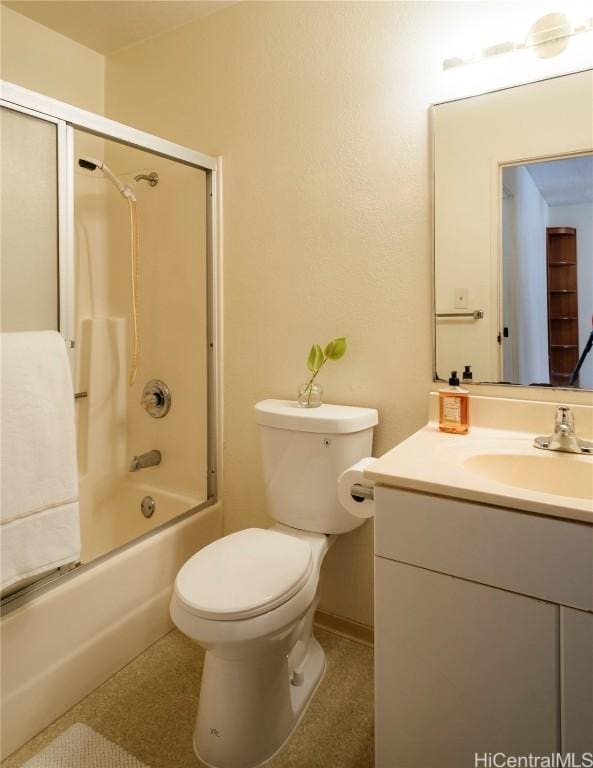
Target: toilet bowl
(257, 632)
(249, 598)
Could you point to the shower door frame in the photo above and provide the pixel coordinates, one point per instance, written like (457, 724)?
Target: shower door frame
(69, 118)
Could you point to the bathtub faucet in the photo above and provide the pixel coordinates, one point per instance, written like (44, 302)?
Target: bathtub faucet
(149, 459)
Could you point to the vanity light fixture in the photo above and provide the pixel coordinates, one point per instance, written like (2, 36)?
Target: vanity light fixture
(552, 27)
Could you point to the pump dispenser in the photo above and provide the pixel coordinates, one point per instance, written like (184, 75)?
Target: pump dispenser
(454, 407)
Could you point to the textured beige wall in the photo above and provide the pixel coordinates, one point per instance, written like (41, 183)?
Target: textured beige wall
(42, 60)
(326, 218)
(321, 113)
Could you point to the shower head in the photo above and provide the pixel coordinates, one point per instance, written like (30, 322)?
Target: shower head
(91, 164)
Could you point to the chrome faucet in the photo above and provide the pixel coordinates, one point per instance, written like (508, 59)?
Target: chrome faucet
(564, 437)
(149, 459)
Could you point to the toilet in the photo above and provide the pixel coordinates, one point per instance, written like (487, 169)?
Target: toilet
(249, 598)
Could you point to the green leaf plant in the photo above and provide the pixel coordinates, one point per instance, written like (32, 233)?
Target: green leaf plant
(318, 357)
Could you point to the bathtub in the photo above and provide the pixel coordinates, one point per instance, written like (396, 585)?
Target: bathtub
(112, 517)
(66, 640)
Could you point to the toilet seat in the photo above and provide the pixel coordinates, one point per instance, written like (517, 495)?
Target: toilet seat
(244, 574)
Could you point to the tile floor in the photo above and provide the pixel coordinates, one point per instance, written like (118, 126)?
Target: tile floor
(150, 705)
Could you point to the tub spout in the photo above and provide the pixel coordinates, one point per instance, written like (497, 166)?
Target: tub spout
(149, 459)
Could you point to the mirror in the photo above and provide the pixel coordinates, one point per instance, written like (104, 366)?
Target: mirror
(513, 234)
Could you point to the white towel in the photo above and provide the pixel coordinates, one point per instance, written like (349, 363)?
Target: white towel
(39, 511)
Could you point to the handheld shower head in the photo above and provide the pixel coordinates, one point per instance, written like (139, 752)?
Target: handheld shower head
(127, 191)
(91, 164)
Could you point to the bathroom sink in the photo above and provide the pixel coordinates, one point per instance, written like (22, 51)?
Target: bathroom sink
(558, 474)
(496, 463)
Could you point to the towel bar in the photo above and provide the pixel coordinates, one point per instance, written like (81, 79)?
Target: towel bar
(477, 314)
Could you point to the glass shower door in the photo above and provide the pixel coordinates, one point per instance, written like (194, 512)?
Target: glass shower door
(29, 222)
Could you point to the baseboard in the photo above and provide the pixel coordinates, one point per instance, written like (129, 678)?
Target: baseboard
(61, 645)
(353, 630)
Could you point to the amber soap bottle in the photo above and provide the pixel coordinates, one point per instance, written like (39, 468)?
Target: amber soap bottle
(454, 407)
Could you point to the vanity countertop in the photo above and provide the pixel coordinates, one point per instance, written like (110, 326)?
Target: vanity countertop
(459, 466)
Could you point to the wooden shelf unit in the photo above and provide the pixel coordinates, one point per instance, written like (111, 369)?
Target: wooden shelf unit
(563, 326)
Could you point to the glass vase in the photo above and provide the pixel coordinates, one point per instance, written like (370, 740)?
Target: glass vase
(310, 395)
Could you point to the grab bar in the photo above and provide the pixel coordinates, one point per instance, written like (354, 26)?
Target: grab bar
(477, 314)
(78, 395)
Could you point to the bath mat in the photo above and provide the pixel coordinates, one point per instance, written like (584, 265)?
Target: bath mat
(81, 747)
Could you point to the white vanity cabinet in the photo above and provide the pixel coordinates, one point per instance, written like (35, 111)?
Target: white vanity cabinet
(576, 680)
(484, 632)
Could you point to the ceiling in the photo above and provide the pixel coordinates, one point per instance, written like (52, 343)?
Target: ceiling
(568, 181)
(108, 25)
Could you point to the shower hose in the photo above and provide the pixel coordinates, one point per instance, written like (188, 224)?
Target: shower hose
(135, 269)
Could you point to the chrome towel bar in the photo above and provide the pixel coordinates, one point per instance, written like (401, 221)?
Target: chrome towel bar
(477, 314)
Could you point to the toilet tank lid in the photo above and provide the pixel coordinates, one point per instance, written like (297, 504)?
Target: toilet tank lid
(328, 419)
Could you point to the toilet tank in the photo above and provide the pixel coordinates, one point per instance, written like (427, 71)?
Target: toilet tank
(304, 451)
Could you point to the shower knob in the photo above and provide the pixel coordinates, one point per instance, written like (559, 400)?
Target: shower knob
(156, 398)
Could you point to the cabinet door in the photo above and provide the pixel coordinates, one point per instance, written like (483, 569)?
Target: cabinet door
(461, 669)
(576, 639)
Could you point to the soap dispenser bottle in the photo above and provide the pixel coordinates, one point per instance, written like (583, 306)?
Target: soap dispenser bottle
(468, 376)
(454, 407)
